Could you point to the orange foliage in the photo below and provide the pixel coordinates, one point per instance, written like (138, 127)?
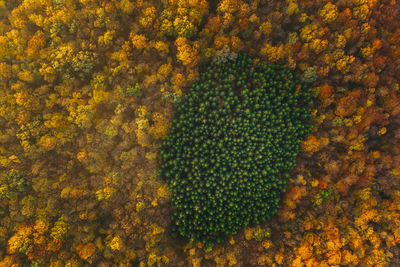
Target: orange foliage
(347, 105)
(213, 24)
(69, 126)
(305, 250)
(86, 251)
(221, 41)
(295, 193)
(325, 91)
(371, 80)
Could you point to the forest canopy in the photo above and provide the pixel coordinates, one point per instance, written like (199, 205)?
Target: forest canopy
(90, 88)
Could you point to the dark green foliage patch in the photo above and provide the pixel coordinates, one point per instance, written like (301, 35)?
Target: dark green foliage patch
(233, 138)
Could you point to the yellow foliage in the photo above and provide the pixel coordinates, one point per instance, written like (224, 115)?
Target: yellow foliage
(310, 32)
(22, 99)
(396, 171)
(5, 70)
(100, 96)
(292, 8)
(15, 243)
(160, 127)
(156, 229)
(142, 123)
(139, 41)
(140, 206)
(318, 45)
(254, 19)
(183, 26)
(56, 120)
(343, 64)
(196, 262)
(314, 183)
(358, 144)
(248, 233)
(81, 115)
(148, 17)
(340, 41)
(151, 156)
(361, 12)
(382, 131)
(167, 27)
(279, 257)
(229, 6)
(267, 244)
(143, 138)
(5, 47)
(273, 53)
(26, 76)
(266, 27)
(221, 41)
(153, 259)
(164, 71)
(367, 52)
(127, 6)
(178, 79)
(161, 46)
(329, 12)
(312, 144)
(231, 259)
(9, 261)
(35, 44)
(187, 53)
(107, 38)
(227, 20)
(116, 243)
(106, 193)
(162, 191)
(237, 44)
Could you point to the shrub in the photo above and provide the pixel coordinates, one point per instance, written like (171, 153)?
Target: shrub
(233, 138)
(12, 183)
(134, 91)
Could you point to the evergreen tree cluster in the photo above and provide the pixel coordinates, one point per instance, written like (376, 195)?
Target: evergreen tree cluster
(231, 143)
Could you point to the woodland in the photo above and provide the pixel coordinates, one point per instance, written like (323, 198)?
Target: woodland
(88, 93)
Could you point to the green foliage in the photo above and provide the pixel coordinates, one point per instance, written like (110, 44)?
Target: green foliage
(310, 75)
(69, 62)
(337, 122)
(35, 263)
(171, 97)
(60, 229)
(322, 195)
(234, 135)
(326, 194)
(83, 63)
(110, 131)
(180, 20)
(134, 91)
(259, 233)
(12, 183)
